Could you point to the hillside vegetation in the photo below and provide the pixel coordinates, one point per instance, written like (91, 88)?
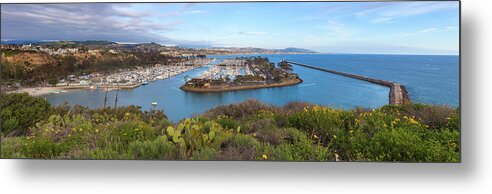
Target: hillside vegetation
(249, 130)
(30, 67)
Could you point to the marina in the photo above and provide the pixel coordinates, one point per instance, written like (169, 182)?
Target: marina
(318, 87)
(142, 76)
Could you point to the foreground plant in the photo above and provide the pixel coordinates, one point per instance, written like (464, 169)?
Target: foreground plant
(245, 131)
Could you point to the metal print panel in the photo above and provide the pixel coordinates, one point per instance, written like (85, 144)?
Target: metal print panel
(262, 81)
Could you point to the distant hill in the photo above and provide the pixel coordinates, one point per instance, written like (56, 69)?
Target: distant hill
(153, 45)
(22, 41)
(296, 50)
(94, 42)
(261, 50)
(58, 43)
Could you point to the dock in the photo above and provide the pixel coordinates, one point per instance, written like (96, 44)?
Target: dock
(397, 95)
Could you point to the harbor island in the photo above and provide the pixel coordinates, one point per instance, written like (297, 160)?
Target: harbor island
(242, 74)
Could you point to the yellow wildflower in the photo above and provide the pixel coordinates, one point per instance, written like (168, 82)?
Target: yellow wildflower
(412, 121)
(315, 137)
(334, 136)
(265, 157)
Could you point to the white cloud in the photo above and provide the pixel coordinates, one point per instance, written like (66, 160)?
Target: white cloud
(389, 11)
(338, 29)
(252, 33)
(427, 30)
(194, 12)
(115, 22)
(449, 28)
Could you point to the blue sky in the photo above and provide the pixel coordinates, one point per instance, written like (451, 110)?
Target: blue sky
(338, 27)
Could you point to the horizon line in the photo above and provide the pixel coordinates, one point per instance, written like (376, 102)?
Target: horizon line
(211, 47)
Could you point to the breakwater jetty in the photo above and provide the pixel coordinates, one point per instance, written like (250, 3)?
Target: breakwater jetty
(397, 95)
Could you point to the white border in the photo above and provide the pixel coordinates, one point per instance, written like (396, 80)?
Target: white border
(473, 175)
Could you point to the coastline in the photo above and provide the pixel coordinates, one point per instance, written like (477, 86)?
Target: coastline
(41, 91)
(236, 88)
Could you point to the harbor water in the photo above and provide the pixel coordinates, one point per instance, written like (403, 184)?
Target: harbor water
(428, 79)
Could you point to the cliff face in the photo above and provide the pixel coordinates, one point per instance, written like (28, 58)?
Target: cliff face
(32, 67)
(28, 60)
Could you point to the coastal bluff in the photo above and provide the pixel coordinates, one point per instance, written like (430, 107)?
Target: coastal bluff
(397, 95)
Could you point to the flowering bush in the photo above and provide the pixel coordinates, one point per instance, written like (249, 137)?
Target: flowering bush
(248, 131)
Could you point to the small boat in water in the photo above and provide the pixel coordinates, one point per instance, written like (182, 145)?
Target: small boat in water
(154, 103)
(145, 82)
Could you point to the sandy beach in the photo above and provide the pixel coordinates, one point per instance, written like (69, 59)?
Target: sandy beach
(40, 91)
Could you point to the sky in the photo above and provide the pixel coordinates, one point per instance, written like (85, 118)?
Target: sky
(337, 27)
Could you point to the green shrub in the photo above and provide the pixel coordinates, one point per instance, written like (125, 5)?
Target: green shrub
(240, 147)
(11, 147)
(204, 153)
(240, 110)
(402, 144)
(294, 107)
(301, 152)
(244, 141)
(19, 112)
(126, 132)
(103, 154)
(454, 121)
(227, 122)
(157, 149)
(434, 116)
(294, 136)
(323, 122)
(273, 135)
(298, 132)
(43, 148)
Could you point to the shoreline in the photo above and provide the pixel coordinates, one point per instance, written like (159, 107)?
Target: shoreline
(45, 90)
(41, 91)
(237, 88)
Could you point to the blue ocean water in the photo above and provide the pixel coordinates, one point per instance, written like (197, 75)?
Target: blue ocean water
(428, 79)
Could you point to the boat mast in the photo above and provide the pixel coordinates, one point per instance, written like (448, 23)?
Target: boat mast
(106, 96)
(116, 98)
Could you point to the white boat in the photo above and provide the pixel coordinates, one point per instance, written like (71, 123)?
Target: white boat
(145, 82)
(154, 103)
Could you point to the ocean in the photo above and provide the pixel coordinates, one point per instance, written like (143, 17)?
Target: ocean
(430, 79)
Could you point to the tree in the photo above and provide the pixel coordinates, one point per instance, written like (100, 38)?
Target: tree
(19, 111)
(52, 81)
